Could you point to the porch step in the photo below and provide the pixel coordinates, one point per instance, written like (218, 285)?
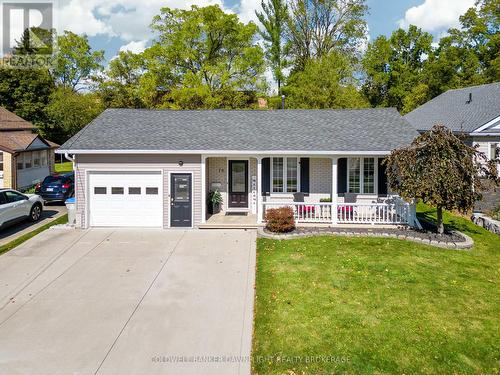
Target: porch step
(230, 226)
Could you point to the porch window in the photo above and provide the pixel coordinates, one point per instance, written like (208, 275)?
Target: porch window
(278, 175)
(362, 175)
(285, 175)
(368, 175)
(354, 175)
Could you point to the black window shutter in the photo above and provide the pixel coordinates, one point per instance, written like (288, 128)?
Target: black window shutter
(304, 175)
(382, 177)
(342, 176)
(266, 176)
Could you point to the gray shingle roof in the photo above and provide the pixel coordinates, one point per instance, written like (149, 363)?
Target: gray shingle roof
(289, 130)
(451, 109)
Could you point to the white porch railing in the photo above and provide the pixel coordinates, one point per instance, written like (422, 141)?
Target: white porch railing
(305, 212)
(397, 212)
(374, 213)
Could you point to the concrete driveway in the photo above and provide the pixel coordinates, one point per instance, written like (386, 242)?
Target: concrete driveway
(128, 302)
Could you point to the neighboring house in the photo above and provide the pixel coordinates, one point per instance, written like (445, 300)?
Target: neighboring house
(155, 168)
(473, 112)
(25, 157)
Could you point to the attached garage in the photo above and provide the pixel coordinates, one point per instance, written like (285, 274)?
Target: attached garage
(125, 199)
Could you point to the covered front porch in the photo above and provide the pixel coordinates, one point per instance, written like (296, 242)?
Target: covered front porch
(322, 190)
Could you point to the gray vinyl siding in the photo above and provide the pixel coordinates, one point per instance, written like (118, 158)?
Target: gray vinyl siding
(168, 164)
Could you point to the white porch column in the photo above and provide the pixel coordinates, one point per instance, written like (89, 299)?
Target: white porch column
(203, 189)
(334, 191)
(259, 190)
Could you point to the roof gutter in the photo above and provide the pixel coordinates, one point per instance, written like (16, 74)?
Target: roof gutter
(484, 134)
(222, 152)
(66, 155)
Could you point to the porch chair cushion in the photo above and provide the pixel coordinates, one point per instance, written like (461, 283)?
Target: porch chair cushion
(299, 198)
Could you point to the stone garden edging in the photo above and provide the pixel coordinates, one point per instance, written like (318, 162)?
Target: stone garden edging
(466, 245)
(486, 222)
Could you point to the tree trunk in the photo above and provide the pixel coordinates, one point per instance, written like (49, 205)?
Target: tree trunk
(440, 225)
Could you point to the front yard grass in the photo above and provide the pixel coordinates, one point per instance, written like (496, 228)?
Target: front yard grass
(329, 305)
(65, 167)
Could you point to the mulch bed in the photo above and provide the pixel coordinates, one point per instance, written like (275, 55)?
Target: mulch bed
(425, 234)
(428, 235)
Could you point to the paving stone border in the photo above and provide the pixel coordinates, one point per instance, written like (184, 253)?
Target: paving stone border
(462, 241)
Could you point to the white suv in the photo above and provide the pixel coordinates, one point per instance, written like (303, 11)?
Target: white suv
(15, 206)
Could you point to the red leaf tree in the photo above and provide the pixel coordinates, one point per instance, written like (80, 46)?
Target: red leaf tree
(441, 170)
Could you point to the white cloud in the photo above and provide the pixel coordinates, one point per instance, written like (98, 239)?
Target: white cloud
(134, 47)
(436, 15)
(247, 8)
(77, 16)
(127, 19)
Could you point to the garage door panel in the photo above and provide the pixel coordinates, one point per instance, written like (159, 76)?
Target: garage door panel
(126, 199)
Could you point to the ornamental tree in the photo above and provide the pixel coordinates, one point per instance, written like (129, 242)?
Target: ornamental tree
(441, 170)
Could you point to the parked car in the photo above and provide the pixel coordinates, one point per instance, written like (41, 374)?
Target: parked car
(15, 206)
(57, 187)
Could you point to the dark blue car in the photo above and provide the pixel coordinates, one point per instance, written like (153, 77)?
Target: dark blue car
(57, 187)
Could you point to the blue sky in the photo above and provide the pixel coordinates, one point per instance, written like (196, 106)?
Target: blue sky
(124, 24)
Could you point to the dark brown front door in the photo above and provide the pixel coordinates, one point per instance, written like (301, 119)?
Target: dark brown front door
(238, 184)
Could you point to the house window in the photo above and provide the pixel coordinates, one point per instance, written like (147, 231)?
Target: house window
(27, 160)
(354, 175)
(285, 172)
(361, 175)
(36, 159)
(43, 159)
(368, 175)
(1, 161)
(278, 175)
(99, 190)
(20, 161)
(292, 180)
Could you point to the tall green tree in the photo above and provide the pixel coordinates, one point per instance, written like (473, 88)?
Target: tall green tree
(27, 91)
(75, 62)
(273, 18)
(204, 51)
(120, 86)
(326, 82)
(394, 68)
(441, 170)
(469, 55)
(318, 27)
(70, 111)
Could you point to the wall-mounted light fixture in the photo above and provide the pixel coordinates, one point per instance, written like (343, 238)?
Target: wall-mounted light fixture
(181, 163)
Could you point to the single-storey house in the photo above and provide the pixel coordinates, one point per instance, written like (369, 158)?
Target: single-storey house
(25, 157)
(155, 168)
(473, 112)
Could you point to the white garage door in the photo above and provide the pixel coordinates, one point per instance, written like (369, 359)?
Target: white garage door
(125, 199)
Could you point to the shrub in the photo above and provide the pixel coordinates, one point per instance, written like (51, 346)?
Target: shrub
(280, 220)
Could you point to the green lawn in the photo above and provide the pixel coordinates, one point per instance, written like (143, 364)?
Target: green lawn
(64, 167)
(378, 306)
(18, 241)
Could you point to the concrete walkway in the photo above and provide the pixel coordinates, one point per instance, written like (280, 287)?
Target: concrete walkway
(50, 212)
(128, 302)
